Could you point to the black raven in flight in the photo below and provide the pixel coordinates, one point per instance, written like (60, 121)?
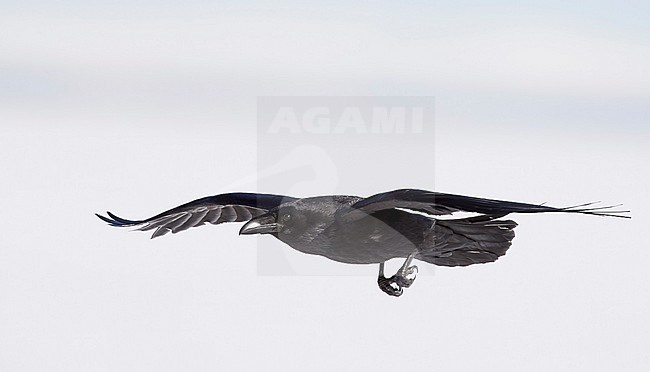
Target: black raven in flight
(396, 224)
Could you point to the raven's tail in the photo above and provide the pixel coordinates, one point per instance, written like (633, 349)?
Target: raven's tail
(467, 241)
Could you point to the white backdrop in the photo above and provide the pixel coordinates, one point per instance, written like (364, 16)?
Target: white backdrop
(139, 108)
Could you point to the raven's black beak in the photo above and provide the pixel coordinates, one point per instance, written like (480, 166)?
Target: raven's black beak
(264, 224)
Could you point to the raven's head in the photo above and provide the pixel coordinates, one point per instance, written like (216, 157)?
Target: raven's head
(301, 220)
(284, 220)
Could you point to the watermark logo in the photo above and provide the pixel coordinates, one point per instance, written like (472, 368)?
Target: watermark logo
(309, 146)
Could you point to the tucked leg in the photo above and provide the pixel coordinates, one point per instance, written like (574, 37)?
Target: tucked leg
(405, 276)
(394, 286)
(388, 285)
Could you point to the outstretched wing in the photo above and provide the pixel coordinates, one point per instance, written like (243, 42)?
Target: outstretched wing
(436, 203)
(233, 207)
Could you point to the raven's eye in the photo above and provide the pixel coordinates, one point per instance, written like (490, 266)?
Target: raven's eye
(287, 216)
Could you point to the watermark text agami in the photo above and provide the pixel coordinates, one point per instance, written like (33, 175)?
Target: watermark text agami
(350, 119)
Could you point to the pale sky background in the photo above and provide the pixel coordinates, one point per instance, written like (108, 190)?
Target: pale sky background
(139, 106)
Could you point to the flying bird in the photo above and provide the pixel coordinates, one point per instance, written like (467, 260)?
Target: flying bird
(404, 223)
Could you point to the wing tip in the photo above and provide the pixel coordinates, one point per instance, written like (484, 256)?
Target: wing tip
(116, 221)
(603, 211)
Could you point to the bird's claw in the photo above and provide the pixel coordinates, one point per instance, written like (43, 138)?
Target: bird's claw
(404, 278)
(407, 277)
(390, 286)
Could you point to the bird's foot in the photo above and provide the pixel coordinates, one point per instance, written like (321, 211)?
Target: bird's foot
(390, 286)
(404, 278)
